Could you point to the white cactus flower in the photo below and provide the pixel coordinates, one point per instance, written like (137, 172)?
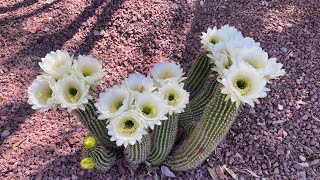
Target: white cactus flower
(41, 93)
(243, 84)
(167, 72)
(72, 93)
(128, 128)
(138, 83)
(177, 98)
(89, 69)
(56, 64)
(274, 71)
(113, 102)
(214, 36)
(152, 108)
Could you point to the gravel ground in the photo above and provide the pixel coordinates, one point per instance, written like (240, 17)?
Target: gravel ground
(278, 139)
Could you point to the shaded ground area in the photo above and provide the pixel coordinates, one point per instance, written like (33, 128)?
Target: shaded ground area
(278, 139)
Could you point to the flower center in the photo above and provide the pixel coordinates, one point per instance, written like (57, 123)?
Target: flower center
(128, 126)
(88, 71)
(116, 104)
(243, 85)
(173, 98)
(149, 110)
(138, 88)
(214, 40)
(166, 74)
(58, 63)
(45, 94)
(73, 94)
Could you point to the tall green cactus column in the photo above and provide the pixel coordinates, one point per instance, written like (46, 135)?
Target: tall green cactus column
(138, 153)
(215, 122)
(163, 138)
(89, 118)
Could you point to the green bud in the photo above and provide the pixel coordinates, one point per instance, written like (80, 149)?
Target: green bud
(87, 164)
(89, 142)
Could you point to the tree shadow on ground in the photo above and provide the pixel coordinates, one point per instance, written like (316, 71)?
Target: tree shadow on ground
(18, 5)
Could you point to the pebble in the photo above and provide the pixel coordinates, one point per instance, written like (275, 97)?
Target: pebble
(280, 107)
(74, 177)
(302, 158)
(305, 117)
(283, 49)
(5, 133)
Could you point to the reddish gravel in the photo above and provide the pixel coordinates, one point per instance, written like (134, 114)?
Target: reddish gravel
(278, 139)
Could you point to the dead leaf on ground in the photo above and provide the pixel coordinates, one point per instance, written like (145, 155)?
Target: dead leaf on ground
(213, 174)
(15, 145)
(232, 174)
(167, 172)
(220, 172)
(248, 171)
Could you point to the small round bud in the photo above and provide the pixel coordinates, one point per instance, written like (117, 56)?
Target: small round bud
(87, 164)
(89, 142)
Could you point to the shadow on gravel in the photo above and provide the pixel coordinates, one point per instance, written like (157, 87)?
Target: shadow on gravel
(42, 9)
(39, 46)
(15, 114)
(18, 5)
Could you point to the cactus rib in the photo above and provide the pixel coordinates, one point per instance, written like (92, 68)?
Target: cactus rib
(163, 138)
(95, 126)
(138, 153)
(198, 74)
(214, 123)
(103, 159)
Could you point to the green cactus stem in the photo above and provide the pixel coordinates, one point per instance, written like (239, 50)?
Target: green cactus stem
(89, 118)
(198, 74)
(138, 153)
(215, 122)
(163, 138)
(103, 159)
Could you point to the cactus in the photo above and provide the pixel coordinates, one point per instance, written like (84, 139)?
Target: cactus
(163, 139)
(96, 127)
(214, 123)
(103, 159)
(198, 74)
(138, 153)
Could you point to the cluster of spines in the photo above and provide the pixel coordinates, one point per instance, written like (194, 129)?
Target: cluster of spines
(89, 118)
(138, 153)
(214, 123)
(163, 137)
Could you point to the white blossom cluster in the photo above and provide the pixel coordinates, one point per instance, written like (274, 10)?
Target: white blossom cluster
(65, 81)
(243, 67)
(142, 102)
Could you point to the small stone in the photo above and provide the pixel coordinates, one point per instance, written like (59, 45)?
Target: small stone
(302, 158)
(280, 107)
(74, 177)
(283, 49)
(201, 3)
(305, 117)
(96, 33)
(276, 170)
(5, 133)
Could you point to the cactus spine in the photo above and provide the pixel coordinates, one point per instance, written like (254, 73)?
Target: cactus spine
(103, 159)
(214, 123)
(89, 118)
(163, 139)
(138, 153)
(198, 74)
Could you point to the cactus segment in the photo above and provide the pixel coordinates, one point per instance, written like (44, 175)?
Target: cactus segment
(138, 153)
(103, 159)
(198, 75)
(209, 131)
(163, 138)
(89, 118)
